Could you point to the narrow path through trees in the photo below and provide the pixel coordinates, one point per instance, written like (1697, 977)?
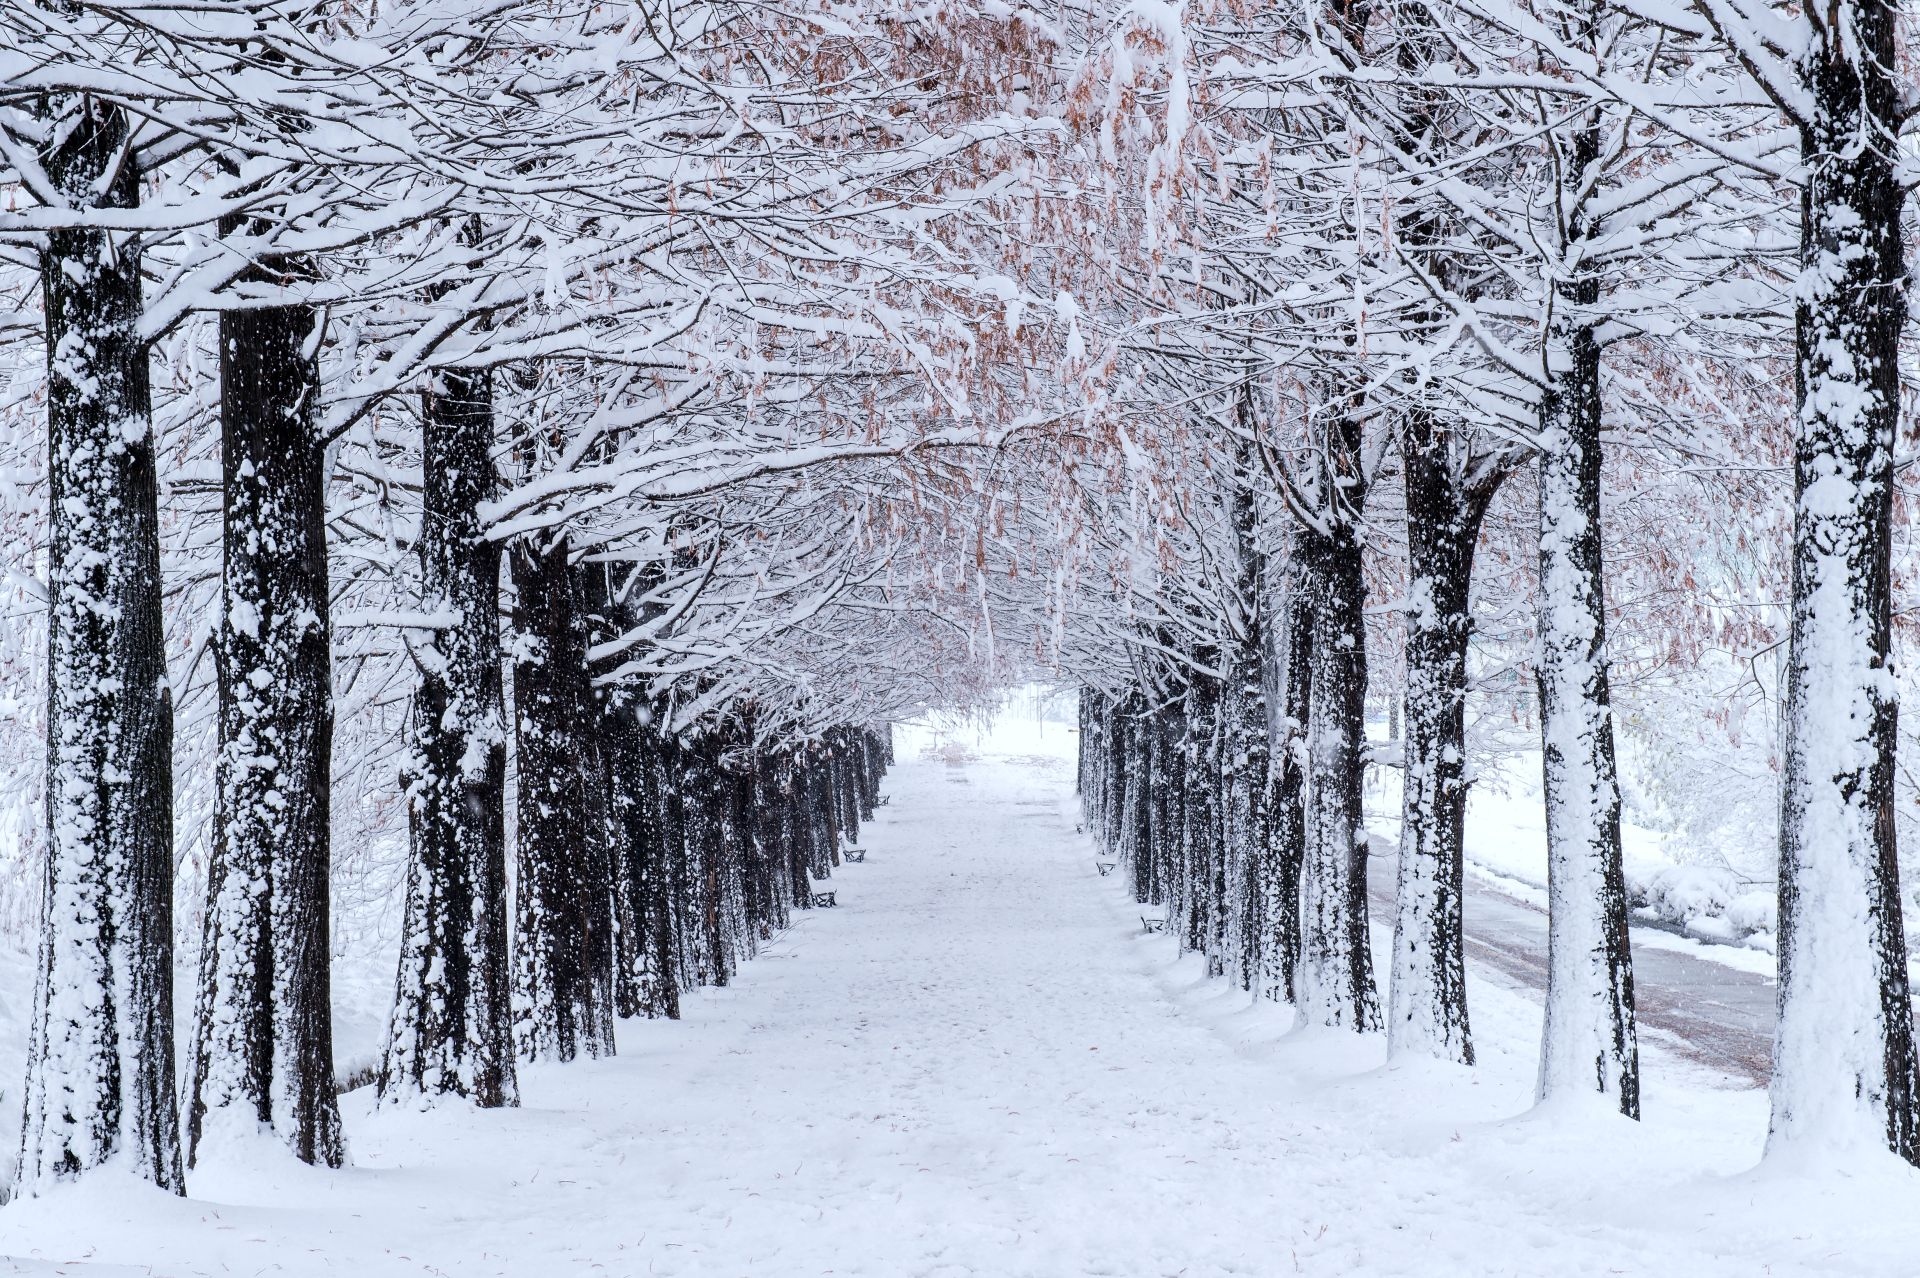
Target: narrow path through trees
(979, 1064)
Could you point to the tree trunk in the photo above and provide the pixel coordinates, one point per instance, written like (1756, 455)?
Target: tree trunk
(1843, 1055)
(452, 1024)
(100, 1056)
(1334, 979)
(709, 952)
(1245, 761)
(1289, 679)
(1202, 791)
(670, 770)
(1139, 820)
(563, 955)
(1427, 995)
(644, 984)
(263, 1051)
(1170, 799)
(793, 808)
(1588, 1041)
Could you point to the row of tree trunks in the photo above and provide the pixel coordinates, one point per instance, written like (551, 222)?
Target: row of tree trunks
(636, 847)
(647, 861)
(1273, 888)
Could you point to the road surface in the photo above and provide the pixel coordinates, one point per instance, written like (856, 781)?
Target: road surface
(1718, 1015)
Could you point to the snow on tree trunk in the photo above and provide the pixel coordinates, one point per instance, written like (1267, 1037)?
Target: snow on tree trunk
(1131, 823)
(1588, 1043)
(1843, 1056)
(711, 955)
(644, 984)
(1427, 993)
(563, 943)
(1244, 763)
(1149, 872)
(747, 899)
(1214, 891)
(1289, 679)
(451, 1031)
(1243, 784)
(820, 827)
(1171, 822)
(669, 770)
(869, 773)
(1200, 826)
(1137, 824)
(263, 1045)
(847, 788)
(1334, 979)
(772, 833)
(660, 994)
(100, 1056)
(791, 792)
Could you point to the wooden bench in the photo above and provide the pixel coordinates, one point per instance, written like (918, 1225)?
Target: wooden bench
(855, 855)
(823, 900)
(1106, 867)
(1153, 925)
(883, 801)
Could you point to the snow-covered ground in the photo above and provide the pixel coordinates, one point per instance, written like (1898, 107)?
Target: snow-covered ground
(1674, 882)
(979, 1065)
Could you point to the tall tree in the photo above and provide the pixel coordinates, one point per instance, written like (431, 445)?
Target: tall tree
(1334, 981)
(452, 1024)
(563, 942)
(1448, 488)
(100, 1059)
(263, 1038)
(1844, 1064)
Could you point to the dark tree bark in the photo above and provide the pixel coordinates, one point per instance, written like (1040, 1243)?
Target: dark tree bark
(773, 835)
(846, 787)
(1334, 976)
(745, 896)
(563, 947)
(669, 773)
(1140, 799)
(794, 823)
(821, 825)
(1446, 502)
(264, 1032)
(452, 1026)
(1844, 1065)
(705, 849)
(1082, 756)
(1219, 892)
(1334, 979)
(870, 766)
(1200, 816)
(1170, 812)
(100, 1055)
(1245, 762)
(644, 984)
(1290, 682)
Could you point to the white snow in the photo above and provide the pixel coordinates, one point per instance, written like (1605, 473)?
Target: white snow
(979, 1065)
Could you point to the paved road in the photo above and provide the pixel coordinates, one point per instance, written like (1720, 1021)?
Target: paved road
(1718, 1015)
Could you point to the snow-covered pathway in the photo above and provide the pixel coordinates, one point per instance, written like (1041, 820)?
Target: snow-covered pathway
(979, 1066)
